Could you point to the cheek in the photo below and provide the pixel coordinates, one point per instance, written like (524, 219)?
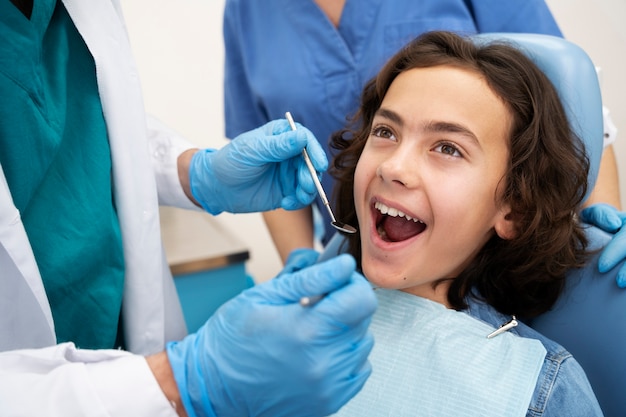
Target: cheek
(362, 177)
(460, 207)
(470, 217)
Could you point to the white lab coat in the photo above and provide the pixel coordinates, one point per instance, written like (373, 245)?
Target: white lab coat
(59, 379)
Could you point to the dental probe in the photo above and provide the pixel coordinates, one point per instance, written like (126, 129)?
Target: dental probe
(314, 299)
(336, 224)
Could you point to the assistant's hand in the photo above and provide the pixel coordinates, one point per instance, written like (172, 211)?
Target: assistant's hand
(299, 259)
(259, 170)
(262, 354)
(611, 220)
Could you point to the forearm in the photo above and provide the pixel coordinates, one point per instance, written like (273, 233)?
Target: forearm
(183, 161)
(160, 366)
(606, 189)
(290, 229)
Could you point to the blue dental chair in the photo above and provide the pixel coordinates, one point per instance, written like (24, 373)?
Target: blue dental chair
(589, 319)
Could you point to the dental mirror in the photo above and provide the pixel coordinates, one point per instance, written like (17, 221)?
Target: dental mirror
(336, 224)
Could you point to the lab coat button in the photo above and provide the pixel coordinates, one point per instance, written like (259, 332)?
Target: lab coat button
(160, 152)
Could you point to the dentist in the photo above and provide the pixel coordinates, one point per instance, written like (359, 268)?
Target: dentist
(90, 323)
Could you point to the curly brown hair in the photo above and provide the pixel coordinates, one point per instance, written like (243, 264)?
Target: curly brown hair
(546, 178)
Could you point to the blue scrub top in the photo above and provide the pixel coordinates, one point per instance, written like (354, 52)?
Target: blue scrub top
(285, 55)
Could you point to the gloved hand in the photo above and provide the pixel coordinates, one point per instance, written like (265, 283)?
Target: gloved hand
(299, 259)
(259, 170)
(262, 354)
(611, 220)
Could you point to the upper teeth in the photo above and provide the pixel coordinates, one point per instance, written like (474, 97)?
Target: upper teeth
(393, 212)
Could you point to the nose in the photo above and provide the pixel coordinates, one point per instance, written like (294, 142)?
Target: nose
(401, 167)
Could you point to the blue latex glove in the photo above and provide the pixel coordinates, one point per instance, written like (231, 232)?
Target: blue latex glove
(259, 170)
(611, 220)
(262, 354)
(299, 259)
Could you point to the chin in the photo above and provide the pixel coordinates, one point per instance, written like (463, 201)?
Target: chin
(379, 275)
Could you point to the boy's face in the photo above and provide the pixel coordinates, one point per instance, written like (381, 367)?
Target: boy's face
(437, 152)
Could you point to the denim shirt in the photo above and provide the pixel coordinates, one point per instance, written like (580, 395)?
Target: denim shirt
(562, 387)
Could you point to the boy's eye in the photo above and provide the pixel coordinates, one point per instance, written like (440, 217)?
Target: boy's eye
(383, 132)
(448, 149)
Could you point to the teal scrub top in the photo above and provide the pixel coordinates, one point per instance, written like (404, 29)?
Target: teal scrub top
(55, 155)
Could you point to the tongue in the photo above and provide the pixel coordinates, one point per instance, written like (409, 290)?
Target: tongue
(399, 228)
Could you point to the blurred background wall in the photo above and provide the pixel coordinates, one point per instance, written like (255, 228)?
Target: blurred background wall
(179, 53)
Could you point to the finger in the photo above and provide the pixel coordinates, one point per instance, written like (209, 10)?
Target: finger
(358, 368)
(278, 126)
(361, 349)
(284, 146)
(289, 186)
(299, 259)
(305, 179)
(621, 277)
(305, 187)
(291, 202)
(303, 198)
(350, 304)
(603, 216)
(613, 253)
(315, 150)
(322, 278)
(287, 180)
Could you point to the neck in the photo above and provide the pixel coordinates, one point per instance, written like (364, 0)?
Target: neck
(332, 9)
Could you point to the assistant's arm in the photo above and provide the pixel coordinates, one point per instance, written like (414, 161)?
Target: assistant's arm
(290, 230)
(606, 189)
(603, 206)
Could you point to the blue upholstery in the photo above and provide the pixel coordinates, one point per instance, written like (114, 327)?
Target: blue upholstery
(587, 319)
(574, 76)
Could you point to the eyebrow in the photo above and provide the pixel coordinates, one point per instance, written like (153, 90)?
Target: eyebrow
(389, 114)
(431, 126)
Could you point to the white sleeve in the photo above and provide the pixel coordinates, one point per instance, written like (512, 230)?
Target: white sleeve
(610, 131)
(65, 381)
(165, 145)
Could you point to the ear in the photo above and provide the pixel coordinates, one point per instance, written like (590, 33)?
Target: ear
(505, 225)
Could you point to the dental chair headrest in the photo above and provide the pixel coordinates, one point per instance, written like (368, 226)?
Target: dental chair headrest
(574, 76)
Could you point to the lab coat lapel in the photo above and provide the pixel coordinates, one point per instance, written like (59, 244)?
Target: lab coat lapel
(25, 315)
(101, 25)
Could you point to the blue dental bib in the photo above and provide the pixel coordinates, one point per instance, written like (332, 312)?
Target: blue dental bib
(429, 360)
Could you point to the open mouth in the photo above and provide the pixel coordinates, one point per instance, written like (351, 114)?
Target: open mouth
(395, 226)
